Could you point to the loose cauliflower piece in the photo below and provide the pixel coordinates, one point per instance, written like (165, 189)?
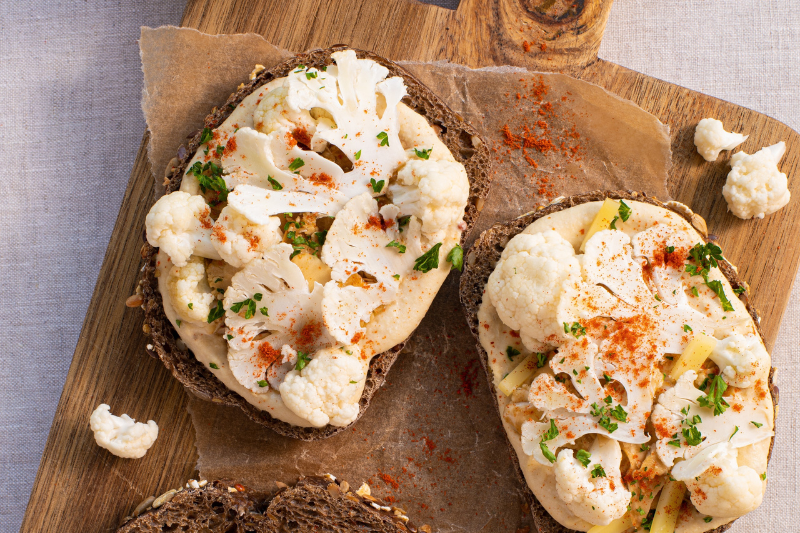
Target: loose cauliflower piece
(122, 435)
(180, 224)
(238, 240)
(526, 285)
(435, 191)
(710, 138)
(594, 494)
(327, 390)
(742, 359)
(719, 487)
(755, 187)
(191, 295)
(267, 307)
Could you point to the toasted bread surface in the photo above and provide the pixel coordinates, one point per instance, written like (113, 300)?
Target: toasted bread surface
(463, 140)
(480, 262)
(316, 503)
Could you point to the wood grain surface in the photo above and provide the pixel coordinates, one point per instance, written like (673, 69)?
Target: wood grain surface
(80, 487)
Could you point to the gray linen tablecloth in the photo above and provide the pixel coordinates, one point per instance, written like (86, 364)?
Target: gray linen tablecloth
(70, 125)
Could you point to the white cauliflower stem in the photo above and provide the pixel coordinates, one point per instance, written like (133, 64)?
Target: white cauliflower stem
(238, 240)
(122, 435)
(742, 359)
(600, 499)
(719, 487)
(710, 138)
(755, 187)
(327, 390)
(434, 191)
(189, 290)
(526, 285)
(180, 224)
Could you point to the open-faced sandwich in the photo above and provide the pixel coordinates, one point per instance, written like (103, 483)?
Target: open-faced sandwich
(628, 369)
(313, 504)
(304, 235)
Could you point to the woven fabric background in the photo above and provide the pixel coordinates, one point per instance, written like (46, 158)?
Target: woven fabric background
(70, 125)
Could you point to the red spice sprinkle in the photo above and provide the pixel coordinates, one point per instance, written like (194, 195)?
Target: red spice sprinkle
(526, 46)
(389, 480)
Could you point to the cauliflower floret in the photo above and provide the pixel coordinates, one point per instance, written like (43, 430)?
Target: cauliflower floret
(755, 187)
(719, 487)
(710, 138)
(742, 359)
(526, 285)
(122, 435)
(434, 191)
(275, 112)
(327, 390)
(189, 290)
(239, 240)
(595, 492)
(179, 223)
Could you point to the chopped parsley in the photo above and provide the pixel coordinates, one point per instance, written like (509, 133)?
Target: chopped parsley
(764, 476)
(705, 257)
(735, 431)
(250, 305)
(613, 224)
(602, 411)
(575, 329)
(512, 352)
(402, 222)
(296, 165)
(598, 471)
(541, 359)
(191, 305)
(206, 136)
(215, 366)
(264, 311)
(713, 398)
(550, 434)
(377, 186)
(756, 424)
(276, 185)
(583, 457)
(262, 383)
(739, 290)
(456, 257)
(400, 247)
(396, 276)
(687, 328)
(302, 360)
(619, 413)
(694, 292)
(675, 442)
(384, 137)
(358, 155)
(209, 176)
(429, 260)
(707, 519)
(670, 249)
(425, 153)
(220, 149)
(644, 447)
(624, 211)
(311, 75)
(692, 436)
(216, 312)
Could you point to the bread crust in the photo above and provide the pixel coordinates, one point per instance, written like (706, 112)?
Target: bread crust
(480, 262)
(463, 140)
(314, 503)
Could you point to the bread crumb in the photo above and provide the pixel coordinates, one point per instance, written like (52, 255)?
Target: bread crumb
(364, 490)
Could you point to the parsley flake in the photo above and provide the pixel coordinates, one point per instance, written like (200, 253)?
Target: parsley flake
(583, 457)
(429, 260)
(713, 398)
(377, 186)
(215, 366)
(264, 311)
(687, 328)
(400, 247)
(575, 329)
(358, 155)
(384, 137)
(598, 471)
(262, 383)
(206, 136)
(425, 153)
(302, 360)
(456, 257)
(276, 185)
(757, 424)
(296, 164)
(512, 352)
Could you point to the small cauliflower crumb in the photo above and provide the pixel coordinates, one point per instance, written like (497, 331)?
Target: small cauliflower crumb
(710, 138)
(755, 187)
(122, 435)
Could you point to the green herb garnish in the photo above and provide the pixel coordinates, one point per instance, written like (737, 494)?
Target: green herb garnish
(429, 260)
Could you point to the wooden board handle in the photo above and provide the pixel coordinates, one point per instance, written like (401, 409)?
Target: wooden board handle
(551, 35)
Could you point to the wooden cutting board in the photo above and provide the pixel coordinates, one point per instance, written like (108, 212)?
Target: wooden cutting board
(80, 487)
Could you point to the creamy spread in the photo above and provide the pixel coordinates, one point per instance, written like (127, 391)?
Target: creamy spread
(620, 373)
(313, 144)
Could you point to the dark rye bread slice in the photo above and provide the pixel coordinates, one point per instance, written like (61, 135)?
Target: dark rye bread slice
(314, 504)
(463, 140)
(480, 263)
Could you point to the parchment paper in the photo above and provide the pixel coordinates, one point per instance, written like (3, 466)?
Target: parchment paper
(431, 441)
